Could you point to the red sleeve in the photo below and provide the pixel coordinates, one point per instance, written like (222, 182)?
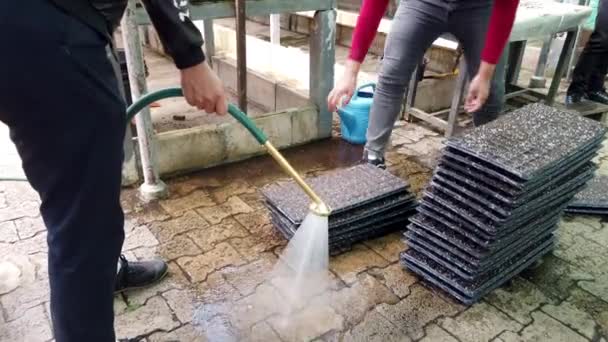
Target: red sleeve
(499, 29)
(369, 19)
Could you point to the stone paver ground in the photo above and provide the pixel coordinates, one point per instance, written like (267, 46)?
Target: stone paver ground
(216, 236)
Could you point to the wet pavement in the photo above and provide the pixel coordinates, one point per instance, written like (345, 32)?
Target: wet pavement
(215, 233)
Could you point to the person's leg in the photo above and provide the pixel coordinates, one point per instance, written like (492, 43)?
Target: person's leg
(580, 78)
(415, 26)
(469, 23)
(590, 71)
(59, 97)
(598, 46)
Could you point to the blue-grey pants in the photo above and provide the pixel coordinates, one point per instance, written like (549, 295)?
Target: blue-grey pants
(417, 23)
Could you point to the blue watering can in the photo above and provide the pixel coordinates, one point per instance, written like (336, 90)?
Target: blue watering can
(354, 117)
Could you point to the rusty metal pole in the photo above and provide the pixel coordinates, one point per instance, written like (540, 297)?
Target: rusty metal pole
(153, 187)
(241, 54)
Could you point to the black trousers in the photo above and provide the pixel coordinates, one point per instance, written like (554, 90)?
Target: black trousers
(60, 98)
(592, 66)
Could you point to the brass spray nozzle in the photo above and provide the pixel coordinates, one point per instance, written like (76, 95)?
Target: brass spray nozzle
(317, 206)
(320, 209)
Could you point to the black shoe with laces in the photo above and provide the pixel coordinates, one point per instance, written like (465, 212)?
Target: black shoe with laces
(137, 274)
(599, 96)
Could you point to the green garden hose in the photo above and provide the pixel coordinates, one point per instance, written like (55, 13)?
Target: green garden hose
(149, 98)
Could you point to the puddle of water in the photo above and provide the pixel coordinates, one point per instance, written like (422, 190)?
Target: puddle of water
(9, 277)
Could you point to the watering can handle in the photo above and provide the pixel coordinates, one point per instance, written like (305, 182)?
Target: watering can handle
(241, 117)
(371, 84)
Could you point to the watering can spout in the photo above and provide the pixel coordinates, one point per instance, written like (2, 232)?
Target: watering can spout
(347, 118)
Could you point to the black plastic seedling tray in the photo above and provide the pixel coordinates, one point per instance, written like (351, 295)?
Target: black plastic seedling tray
(342, 190)
(469, 292)
(356, 214)
(594, 196)
(530, 140)
(466, 209)
(402, 210)
(499, 212)
(478, 251)
(470, 268)
(499, 198)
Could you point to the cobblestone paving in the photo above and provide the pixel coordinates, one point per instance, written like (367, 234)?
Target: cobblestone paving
(216, 235)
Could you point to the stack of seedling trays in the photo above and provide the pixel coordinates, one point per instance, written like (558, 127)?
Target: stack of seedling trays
(496, 197)
(366, 203)
(593, 200)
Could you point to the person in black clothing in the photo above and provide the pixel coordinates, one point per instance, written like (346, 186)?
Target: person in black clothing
(59, 96)
(590, 72)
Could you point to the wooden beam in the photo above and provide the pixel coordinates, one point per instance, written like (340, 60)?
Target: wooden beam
(241, 54)
(461, 83)
(226, 9)
(435, 122)
(517, 93)
(410, 97)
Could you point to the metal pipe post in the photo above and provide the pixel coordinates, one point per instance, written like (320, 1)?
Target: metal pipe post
(539, 80)
(241, 54)
(573, 58)
(153, 187)
(275, 29)
(209, 37)
(322, 59)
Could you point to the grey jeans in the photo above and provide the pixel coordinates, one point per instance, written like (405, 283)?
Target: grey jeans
(417, 23)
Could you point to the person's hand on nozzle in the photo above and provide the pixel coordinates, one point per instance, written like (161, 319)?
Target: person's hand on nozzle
(345, 87)
(203, 89)
(479, 89)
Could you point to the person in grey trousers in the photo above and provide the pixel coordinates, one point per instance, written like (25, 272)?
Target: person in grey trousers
(482, 27)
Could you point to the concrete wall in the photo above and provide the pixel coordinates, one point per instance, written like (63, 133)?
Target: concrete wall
(442, 54)
(262, 90)
(201, 147)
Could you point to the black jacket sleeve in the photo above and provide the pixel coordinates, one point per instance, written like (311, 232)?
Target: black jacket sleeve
(176, 31)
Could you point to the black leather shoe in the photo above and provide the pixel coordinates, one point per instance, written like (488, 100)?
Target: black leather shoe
(598, 96)
(574, 98)
(137, 274)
